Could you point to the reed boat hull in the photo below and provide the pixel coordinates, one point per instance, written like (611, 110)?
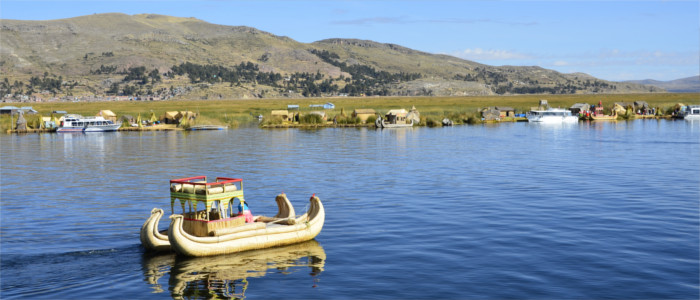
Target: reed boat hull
(248, 237)
(154, 240)
(603, 118)
(380, 123)
(151, 238)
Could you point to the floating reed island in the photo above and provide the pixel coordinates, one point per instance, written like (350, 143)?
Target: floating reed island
(181, 114)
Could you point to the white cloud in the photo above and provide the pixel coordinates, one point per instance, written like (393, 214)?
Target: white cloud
(561, 63)
(478, 54)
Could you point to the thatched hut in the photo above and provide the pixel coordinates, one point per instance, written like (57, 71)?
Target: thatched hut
(490, 114)
(108, 115)
(505, 111)
(188, 115)
(641, 104)
(283, 114)
(625, 105)
(363, 113)
(619, 108)
(579, 107)
(171, 117)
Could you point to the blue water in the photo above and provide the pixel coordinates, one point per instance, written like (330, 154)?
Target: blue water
(513, 210)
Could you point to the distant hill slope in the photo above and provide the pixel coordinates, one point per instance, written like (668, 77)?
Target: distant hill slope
(75, 48)
(684, 85)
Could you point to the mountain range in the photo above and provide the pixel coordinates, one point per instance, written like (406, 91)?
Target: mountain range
(684, 85)
(137, 54)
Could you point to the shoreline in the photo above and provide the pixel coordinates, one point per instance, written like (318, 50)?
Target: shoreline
(314, 126)
(233, 113)
(53, 130)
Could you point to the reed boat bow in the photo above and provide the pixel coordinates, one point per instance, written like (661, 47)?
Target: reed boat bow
(151, 238)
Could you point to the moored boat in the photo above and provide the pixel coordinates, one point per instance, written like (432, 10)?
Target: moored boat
(78, 123)
(598, 115)
(604, 117)
(208, 127)
(395, 118)
(692, 113)
(551, 115)
(218, 229)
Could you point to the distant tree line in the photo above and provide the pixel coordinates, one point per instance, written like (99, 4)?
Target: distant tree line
(247, 72)
(365, 79)
(50, 83)
(137, 81)
(139, 74)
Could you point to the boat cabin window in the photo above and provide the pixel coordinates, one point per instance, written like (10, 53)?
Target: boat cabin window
(556, 113)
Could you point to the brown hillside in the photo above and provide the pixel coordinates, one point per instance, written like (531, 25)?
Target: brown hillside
(73, 47)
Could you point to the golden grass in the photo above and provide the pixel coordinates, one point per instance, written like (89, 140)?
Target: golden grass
(235, 112)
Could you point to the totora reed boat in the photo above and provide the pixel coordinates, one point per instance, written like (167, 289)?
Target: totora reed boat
(217, 229)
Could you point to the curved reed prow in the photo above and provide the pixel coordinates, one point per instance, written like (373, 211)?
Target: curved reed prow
(284, 207)
(315, 207)
(151, 238)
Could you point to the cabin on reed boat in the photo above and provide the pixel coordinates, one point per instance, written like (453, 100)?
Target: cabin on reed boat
(396, 116)
(218, 197)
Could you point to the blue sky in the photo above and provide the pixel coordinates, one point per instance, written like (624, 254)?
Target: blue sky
(613, 40)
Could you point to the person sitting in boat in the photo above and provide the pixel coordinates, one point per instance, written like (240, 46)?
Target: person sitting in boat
(245, 211)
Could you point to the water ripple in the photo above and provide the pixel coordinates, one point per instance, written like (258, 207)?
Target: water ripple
(515, 211)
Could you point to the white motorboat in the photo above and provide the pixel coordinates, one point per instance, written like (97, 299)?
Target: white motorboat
(551, 115)
(78, 123)
(692, 113)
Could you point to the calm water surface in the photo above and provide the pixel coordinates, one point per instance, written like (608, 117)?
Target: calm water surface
(591, 210)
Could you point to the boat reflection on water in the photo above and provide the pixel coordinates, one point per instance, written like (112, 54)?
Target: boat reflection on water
(225, 276)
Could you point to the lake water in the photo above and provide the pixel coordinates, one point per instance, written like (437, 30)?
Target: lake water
(513, 210)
